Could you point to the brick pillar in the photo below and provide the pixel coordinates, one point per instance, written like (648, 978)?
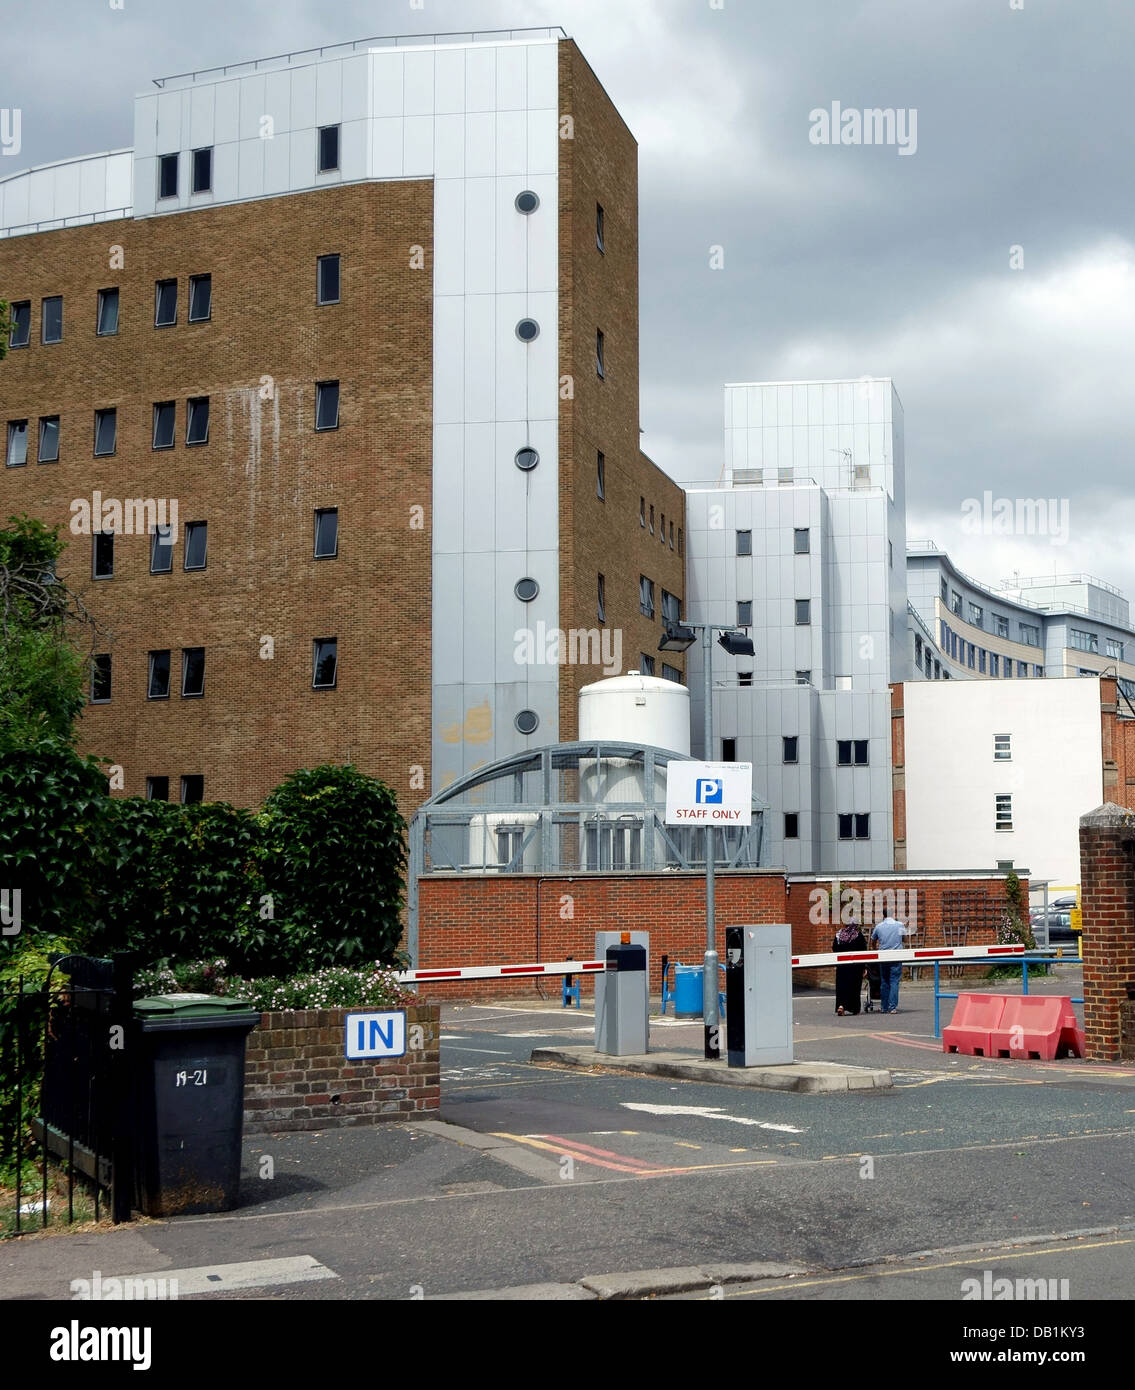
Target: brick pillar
(1107, 898)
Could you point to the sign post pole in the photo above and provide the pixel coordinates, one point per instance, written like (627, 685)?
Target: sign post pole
(709, 964)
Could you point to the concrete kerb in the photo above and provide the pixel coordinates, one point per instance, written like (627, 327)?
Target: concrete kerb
(639, 1283)
(802, 1077)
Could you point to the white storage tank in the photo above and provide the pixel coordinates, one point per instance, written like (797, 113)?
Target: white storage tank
(636, 709)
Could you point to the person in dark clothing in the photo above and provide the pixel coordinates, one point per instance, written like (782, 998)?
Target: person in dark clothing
(849, 977)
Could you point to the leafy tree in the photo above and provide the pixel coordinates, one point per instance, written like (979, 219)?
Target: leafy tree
(334, 856)
(42, 672)
(5, 327)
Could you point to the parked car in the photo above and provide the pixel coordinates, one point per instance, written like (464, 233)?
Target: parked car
(1059, 924)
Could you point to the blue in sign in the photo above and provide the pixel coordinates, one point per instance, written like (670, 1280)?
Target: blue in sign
(376, 1035)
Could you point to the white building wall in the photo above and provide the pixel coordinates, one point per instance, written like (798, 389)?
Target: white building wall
(1055, 774)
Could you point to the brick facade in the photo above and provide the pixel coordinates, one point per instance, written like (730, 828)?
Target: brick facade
(599, 291)
(297, 1076)
(256, 482)
(1107, 898)
(518, 918)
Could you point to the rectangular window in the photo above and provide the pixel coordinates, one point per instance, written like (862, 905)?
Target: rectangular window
(1003, 812)
(599, 227)
(981, 660)
(20, 323)
(852, 752)
(1084, 641)
(1115, 648)
(671, 535)
(192, 671)
(843, 752)
(328, 148)
(671, 608)
(855, 826)
(681, 548)
(943, 635)
(200, 298)
(744, 542)
(846, 826)
(48, 439)
(994, 665)
(51, 325)
(325, 663)
(1007, 667)
(801, 540)
(600, 354)
(196, 544)
(157, 788)
(745, 612)
(161, 550)
(326, 405)
(662, 527)
(165, 424)
(728, 750)
(790, 748)
(106, 321)
(102, 555)
(956, 603)
(652, 520)
(327, 279)
(791, 825)
(167, 176)
(671, 673)
(601, 600)
(197, 420)
(1038, 670)
(803, 678)
(601, 476)
(744, 678)
(192, 789)
(890, 554)
(944, 590)
(646, 596)
(937, 669)
(647, 666)
(642, 512)
(1022, 668)
(917, 650)
(17, 454)
(100, 679)
(971, 656)
(203, 170)
(1002, 625)
(326, 533)
(862, 827)
(106, 432)
(165, 303)
(157, 687)
(803, 612)
(976, 615)
(1030, 634)
(954, 645)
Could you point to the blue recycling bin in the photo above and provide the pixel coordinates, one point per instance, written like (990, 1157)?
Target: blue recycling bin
(687, 991)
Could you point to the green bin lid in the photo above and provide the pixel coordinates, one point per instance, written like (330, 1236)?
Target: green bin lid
(187, 1005)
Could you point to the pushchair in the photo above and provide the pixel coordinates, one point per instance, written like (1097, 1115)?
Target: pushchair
(873, 991)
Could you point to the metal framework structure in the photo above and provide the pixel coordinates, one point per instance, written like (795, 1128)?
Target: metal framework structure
(569, 808)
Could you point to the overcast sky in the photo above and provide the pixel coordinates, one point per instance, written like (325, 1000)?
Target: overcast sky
(839, 260)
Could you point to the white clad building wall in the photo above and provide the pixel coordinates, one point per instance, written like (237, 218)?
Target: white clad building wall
(952, 779)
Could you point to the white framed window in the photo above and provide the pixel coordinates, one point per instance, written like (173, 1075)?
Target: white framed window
(1002, 748)
(1003, 811)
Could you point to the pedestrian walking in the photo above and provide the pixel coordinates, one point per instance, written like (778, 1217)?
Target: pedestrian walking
(849, 977)
(888, 935)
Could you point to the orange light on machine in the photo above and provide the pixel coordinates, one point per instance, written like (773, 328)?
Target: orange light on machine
(625, 938)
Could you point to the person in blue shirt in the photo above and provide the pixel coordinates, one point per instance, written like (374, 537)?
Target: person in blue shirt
(888, 935)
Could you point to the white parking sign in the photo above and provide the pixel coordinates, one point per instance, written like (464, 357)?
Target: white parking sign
(709, 793)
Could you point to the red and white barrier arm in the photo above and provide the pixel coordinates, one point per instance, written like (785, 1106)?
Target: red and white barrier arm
(591, 967)
(500, 972)
(925, 953)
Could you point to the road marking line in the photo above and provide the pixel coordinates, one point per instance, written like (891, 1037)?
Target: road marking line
(579, 1147)
(984, 1258)
(708, 1112)
(637, 1172)
(489, 1051)
(246, 1274)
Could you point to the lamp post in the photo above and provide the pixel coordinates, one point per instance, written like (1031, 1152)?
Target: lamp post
(679, 637)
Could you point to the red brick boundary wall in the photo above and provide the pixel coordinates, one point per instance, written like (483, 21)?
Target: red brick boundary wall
(1107, 900)
(502, 919)
(298, 1077)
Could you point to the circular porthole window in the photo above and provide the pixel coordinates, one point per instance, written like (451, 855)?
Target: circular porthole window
(526, 589)
(527, 721)
(527, 330)
(527, 458)
(527, 202)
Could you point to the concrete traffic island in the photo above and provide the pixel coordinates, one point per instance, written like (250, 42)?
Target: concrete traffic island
(802, 1077)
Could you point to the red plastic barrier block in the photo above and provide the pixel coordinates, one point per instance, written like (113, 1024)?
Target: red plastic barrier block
(975, 1018)
(1040, 1026)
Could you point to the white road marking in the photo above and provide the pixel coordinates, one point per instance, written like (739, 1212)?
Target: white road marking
(492, 1051)
(708, 1112)
(248, 1274)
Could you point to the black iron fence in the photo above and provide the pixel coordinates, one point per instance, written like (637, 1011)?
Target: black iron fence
(65, 1092)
